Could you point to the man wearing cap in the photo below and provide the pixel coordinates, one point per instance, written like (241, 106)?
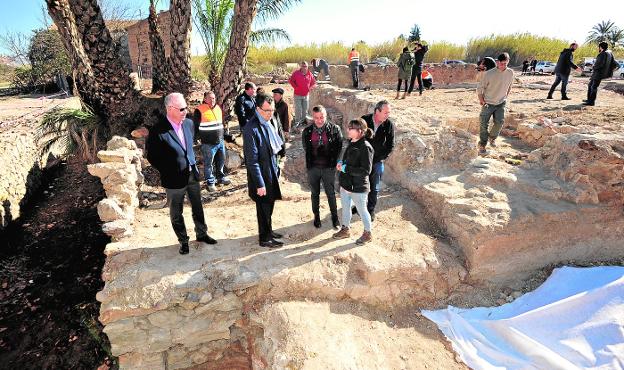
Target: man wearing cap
(281, 111)
(492, 91)
(302, 81)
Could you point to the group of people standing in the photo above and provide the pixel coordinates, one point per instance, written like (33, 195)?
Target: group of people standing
(358, 161)
(410, 69)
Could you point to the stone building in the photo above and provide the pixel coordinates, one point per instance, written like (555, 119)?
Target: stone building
(139, 49)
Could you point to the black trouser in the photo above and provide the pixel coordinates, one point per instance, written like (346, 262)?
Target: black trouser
(399, 85)
(416, 74)
(264, 212)
(559, 78)
(327, 176)
(355, 73)
(175, 198)
(592, 89)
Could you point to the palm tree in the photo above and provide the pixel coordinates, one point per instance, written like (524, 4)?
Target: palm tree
(615, 38)
(159, 60)
(103, 79)
(600, 32)
(221, 20)
(180, 58)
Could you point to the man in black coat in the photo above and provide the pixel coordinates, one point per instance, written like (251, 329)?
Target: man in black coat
(261, 145)
(419, 55)
(562, 71)
(603, 68)
(322, 142)
(170, 150)
(244, 106)
(383, 144)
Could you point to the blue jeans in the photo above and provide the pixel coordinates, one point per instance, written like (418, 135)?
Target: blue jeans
(359, 199)
(213, 153)
(301, 108)
(487, 111)
(559, 77)
(375, 185)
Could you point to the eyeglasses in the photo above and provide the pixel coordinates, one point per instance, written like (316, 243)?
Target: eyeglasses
(181, 109)
(271, 110)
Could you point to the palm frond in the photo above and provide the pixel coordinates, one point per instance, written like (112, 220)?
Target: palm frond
(273, 9)
(268, 36)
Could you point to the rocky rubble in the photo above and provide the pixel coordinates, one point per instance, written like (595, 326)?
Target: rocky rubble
(121, 176)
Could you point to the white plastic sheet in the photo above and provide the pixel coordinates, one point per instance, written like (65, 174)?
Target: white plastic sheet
(575, 320)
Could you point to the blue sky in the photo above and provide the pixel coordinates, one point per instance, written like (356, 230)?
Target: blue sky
(375, 21)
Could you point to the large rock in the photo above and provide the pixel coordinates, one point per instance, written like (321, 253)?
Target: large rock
(109, 210)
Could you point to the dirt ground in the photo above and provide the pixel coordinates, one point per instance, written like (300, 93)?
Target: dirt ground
(50, 266)
(51, 260)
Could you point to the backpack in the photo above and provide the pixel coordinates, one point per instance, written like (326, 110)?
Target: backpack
(612, 66)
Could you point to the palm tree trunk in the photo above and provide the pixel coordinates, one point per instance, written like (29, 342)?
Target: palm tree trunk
(159, 59)
(106, 84)
(180, 58)
(228, 85)
(84, 80)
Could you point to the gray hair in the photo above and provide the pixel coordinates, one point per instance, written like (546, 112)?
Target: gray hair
(171, 97)
(380, 104)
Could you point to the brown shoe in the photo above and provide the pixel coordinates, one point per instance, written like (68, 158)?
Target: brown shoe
(342, 234)
(482, 150)
(365, 238)
(492, 142)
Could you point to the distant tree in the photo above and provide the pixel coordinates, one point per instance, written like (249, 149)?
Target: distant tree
(414, 35)
(47, 56)
(615, 38)
(600, 32)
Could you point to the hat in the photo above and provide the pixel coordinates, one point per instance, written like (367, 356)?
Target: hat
(278, 90)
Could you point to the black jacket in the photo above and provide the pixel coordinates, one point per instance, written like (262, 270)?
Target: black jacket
(419, 56)
(168, 156)
(334, 138)
(565, 64)
(261, 162)
(383, 140)
(245, 109)
(358, 158)
(604, 66)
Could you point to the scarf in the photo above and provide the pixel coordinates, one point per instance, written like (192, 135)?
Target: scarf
(319, 132)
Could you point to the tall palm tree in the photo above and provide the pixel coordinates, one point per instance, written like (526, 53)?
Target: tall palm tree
(105, 81)
(160, 68)
(600, 32)
(221, 20)
(180, 57)
(615, 38)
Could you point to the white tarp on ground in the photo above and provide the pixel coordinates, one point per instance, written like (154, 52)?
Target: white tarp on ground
(575, 320)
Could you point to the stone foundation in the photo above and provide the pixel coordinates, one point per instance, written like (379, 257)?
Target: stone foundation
(563, 204)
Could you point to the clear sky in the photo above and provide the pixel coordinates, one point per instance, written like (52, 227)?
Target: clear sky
(381, 20)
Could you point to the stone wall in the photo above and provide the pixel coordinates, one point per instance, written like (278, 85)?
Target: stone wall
(22, 163)
(563, 204)
(139, 45)
(121, 176)
(386, 77)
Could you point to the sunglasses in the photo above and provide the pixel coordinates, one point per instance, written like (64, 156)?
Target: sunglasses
(181, 109)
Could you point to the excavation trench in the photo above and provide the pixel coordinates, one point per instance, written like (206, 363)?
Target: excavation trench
(451, 228)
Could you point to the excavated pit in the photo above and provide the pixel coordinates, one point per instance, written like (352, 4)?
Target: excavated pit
(451, 228)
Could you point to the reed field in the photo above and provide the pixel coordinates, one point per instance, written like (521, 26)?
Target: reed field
(520, 46)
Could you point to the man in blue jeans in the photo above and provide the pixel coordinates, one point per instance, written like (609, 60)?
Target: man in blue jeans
(208, 119)
(492, 91)
(383, 144)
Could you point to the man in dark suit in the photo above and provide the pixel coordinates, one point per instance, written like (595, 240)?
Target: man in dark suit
(261, 144)
(564, 66)
(170, 150)
(603, 68)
